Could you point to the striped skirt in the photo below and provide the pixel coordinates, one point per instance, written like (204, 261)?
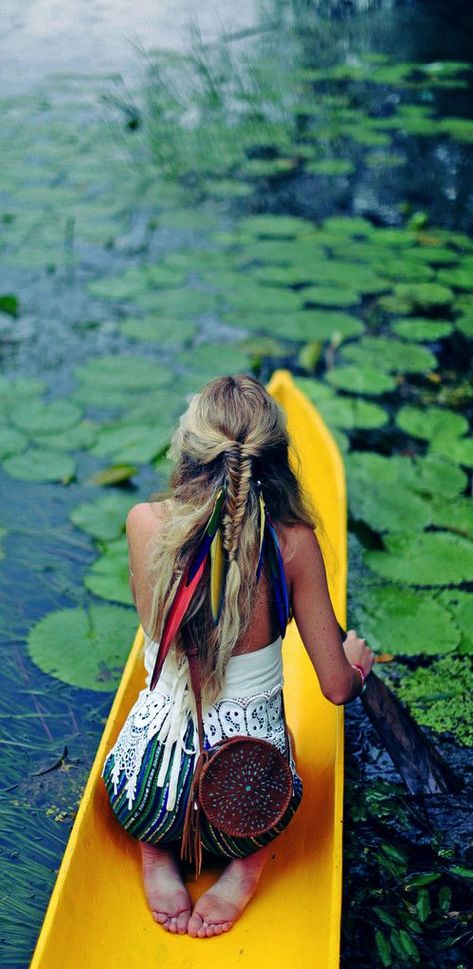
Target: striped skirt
(149, 819)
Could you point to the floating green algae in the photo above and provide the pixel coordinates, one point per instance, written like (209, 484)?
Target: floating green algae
(439, 695)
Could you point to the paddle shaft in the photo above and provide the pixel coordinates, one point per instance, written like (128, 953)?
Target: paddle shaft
(420, 765)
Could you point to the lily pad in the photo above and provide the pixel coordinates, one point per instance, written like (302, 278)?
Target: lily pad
(454, 516)
(387, 509)
(210, 359)
(405, 622)
(460, 606)
(134, 281)
(113, 372)
(149, 329)
(37, 416)
(435, 474)
(330, 166)
(417, 297)
(98, 642)
(255, 298)
(130, 443)
(361, 380)
(79, 438)
(424, 558)
(11, 441)
(350, 412)
(38, 464)
(421, 330)
(108, 576)
(330, 296)
(431, 422)
(104, 518)
(275, 226)
(459, 450)
(389, 355)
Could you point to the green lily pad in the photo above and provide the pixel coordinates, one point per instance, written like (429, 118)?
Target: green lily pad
(405, 622)
(330, 296)
(11, 441)
(104, 518)
(386, 509)
(454, 516)
(307, 325)
(459, 128)
(37, 416)
(330, 166)
(14, 391)
(149, 329)
(131, 443)
(435, 474)
(226, 188)
(210, 359)
(424, 558)
(266, 167)
(417, 297)
(431, 422)
(112, 372)
(108, 576)
(460, 606)
(361, 380)
(38, 464)
(175, 303)
(458, 450)
(389, 355)
(461, 277)
(464, 324)
(350, 412)
(79, 438)
(134, 281)
(420, 330)
(384, 159)
(98, 643)
(275, 226)
(255, 298)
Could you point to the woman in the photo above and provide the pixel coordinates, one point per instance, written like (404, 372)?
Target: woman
(234, 435)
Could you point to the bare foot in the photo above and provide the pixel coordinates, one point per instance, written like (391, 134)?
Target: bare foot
(167, 895)
(217, 910)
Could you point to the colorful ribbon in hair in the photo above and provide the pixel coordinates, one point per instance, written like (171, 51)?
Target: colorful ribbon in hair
(211, 546)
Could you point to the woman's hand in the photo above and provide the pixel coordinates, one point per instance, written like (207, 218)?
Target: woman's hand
(356, 651)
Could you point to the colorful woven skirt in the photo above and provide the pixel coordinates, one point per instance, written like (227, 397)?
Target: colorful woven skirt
(150, 820)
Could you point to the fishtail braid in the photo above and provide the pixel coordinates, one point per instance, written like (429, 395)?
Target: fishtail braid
(238, 460)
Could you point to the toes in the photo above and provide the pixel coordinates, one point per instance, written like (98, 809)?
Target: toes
(162, 918)
(182, 922)
(195, 923)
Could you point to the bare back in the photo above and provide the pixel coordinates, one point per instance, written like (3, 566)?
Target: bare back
(143, 523)
(308, 591)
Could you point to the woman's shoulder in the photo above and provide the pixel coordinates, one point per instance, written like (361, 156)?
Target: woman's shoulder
(298, 543)
(145, 513)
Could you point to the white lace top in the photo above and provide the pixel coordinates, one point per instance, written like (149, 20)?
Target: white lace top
(250, 704)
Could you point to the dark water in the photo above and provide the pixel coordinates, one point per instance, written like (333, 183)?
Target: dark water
(75, 123)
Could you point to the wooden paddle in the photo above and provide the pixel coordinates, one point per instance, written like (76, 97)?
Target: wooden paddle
(422, 768)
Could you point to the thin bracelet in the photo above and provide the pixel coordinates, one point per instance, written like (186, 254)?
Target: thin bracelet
(356, 666)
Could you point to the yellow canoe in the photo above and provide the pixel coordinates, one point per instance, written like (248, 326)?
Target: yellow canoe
(98, 917)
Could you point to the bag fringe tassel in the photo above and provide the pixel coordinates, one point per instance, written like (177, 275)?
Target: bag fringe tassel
(191, 845)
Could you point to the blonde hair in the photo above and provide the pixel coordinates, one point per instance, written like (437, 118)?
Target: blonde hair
(232, 430)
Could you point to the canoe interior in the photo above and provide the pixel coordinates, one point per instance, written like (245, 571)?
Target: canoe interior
(98, 917)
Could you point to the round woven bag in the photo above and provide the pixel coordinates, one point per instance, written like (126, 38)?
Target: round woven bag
(245, 787)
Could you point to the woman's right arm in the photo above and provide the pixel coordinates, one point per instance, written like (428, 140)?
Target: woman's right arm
(317, 623)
